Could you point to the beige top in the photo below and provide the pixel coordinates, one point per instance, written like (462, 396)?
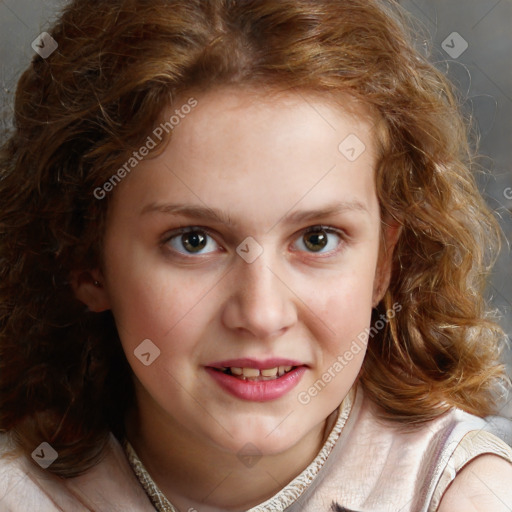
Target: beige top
(365, 465)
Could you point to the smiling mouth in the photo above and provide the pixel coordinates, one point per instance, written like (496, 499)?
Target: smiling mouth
(255, 374)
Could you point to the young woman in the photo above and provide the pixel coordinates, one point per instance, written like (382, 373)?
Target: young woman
(242, 267)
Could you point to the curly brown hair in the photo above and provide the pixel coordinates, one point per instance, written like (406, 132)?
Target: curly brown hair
(78, 113)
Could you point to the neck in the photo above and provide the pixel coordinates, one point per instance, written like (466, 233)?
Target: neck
(195, 474)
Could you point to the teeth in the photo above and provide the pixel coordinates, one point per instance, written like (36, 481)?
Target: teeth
(250, 372)
(256, 374)
(284, 369)
(271, 372)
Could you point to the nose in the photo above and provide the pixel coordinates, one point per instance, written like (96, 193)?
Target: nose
(260, 304)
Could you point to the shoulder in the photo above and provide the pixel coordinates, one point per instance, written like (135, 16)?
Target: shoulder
(483, 484)
(19, 490)
(445, 460)
(109, 486)
(477, 471)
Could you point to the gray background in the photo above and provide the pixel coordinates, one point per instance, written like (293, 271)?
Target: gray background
(483, 73)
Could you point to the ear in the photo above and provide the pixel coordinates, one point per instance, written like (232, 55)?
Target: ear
(390, 234)
(89, 289)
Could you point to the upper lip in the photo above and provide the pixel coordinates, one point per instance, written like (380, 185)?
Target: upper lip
(260, 364)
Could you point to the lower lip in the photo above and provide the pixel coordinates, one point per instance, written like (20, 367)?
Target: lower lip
(258, 391)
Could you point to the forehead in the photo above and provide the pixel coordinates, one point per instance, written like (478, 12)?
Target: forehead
(252, 150)
(276, 118)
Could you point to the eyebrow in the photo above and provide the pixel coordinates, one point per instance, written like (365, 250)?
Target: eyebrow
(213, 214)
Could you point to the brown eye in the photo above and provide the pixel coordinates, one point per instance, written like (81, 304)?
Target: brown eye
(190, 241)
(193, 242)
(315, 240)
(320, 239)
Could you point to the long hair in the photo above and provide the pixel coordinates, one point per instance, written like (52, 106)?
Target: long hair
(79, 113)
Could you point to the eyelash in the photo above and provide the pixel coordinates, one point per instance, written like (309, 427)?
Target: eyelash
(200, 229)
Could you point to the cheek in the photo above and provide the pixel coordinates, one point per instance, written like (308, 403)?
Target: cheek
(164, 323)
(347, 312)
(345, 308)
(148, 301)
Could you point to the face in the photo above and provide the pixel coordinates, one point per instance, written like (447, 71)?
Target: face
(241, 264)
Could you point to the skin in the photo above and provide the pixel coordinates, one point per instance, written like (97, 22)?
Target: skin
(482, 485)
(256, 158)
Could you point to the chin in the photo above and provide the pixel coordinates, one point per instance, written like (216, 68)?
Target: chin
(261, 441)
